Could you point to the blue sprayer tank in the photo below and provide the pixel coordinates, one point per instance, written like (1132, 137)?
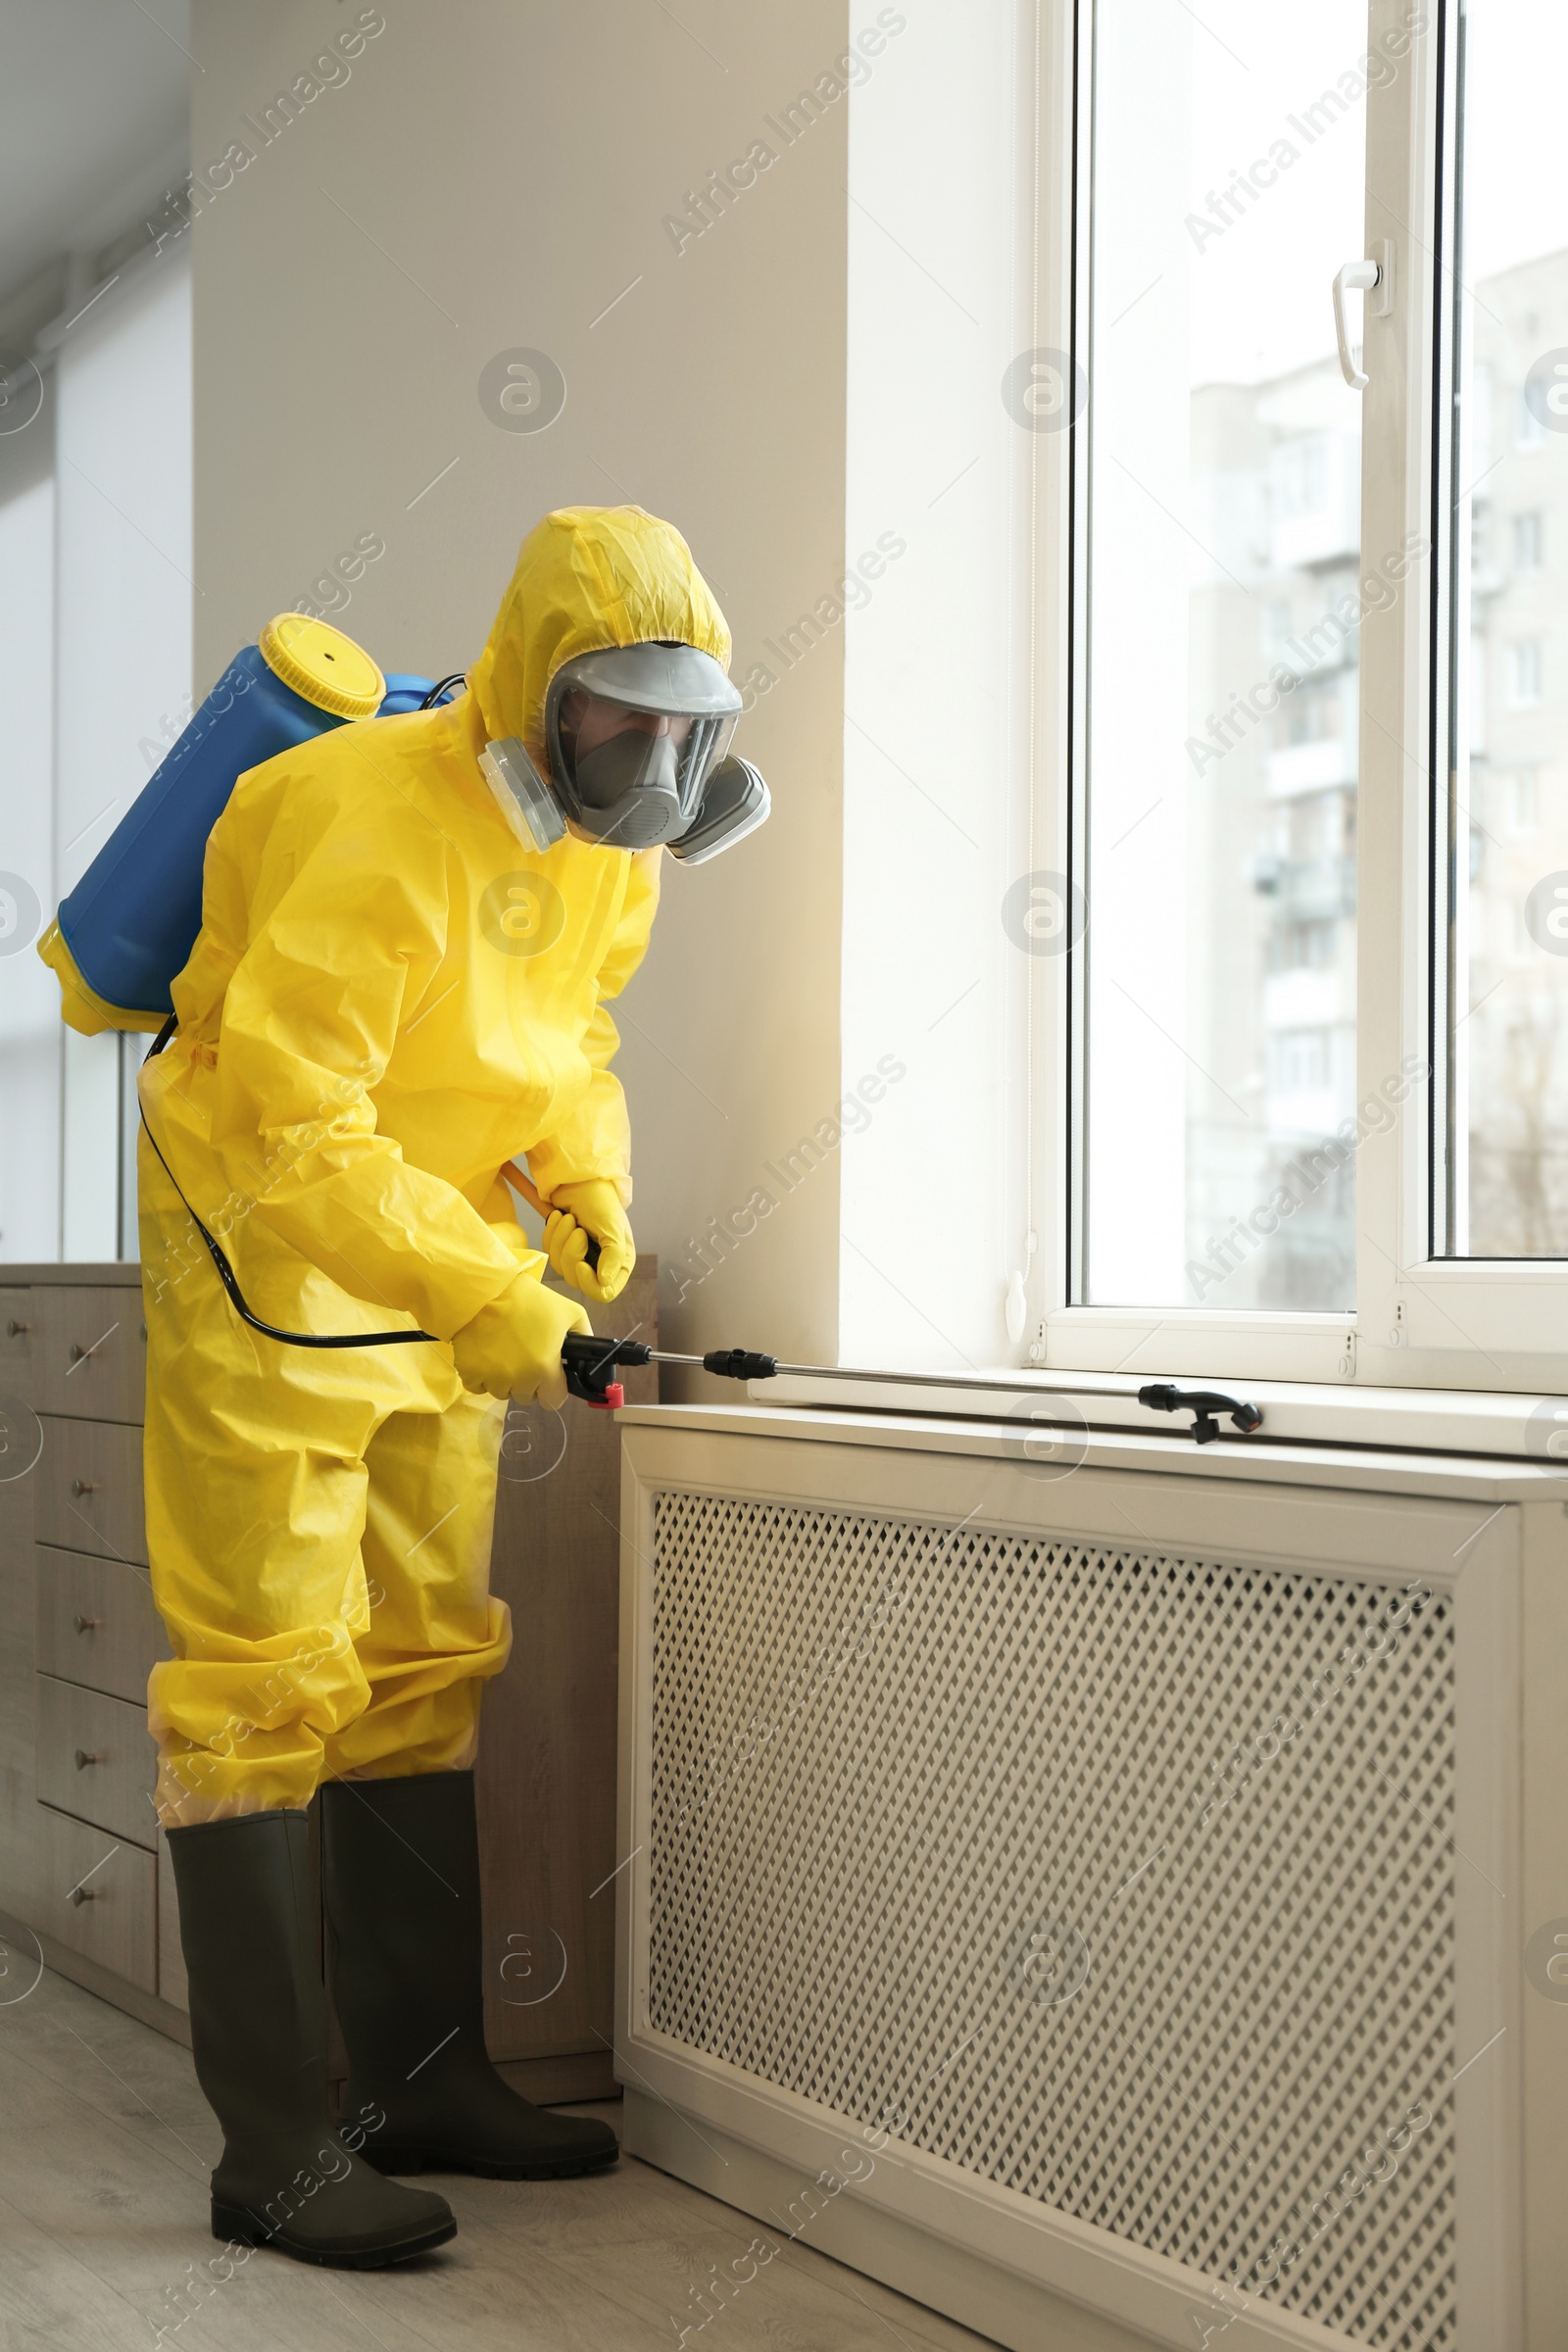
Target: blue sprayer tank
(130, 925)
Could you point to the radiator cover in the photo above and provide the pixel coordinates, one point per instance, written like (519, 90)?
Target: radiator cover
(1117, 1876)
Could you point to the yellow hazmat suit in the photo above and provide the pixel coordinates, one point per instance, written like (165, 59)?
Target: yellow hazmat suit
(388, 999)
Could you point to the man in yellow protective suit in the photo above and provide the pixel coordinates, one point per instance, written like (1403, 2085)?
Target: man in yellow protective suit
(412, 927)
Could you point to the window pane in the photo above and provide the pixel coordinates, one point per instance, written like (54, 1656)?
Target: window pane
(1225, 595)
(1506, 874)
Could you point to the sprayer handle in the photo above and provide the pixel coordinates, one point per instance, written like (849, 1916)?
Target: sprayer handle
(522, 1182)
(588, 1363)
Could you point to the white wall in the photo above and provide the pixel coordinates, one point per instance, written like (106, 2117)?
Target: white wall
(504, 174)
(815, 377)
(937, 736)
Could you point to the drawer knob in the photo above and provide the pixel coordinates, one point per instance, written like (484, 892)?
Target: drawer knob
(84, 1757)
(85, 1624)
(14, 1331)
(83, 1894)
(84, 1486)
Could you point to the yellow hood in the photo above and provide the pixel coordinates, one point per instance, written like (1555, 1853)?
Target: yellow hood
(589, 578)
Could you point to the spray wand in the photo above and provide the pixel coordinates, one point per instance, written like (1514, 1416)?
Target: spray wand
(589, 1363)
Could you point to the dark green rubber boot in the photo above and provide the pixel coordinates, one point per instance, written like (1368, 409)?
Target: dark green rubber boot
(400, 1878)
(258, 2028)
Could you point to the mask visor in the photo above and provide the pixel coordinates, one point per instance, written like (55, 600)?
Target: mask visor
(637, 724)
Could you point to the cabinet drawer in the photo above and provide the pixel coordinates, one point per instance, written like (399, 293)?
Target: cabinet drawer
(98, 1898)
(92, 1351)
(96, 1759)
(20, 1350)
(87, 1490)
(97, 1624)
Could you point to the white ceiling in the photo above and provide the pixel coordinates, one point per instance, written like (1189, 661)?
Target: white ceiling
(94, 113)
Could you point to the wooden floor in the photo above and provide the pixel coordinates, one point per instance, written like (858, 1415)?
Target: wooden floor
(105, 2147)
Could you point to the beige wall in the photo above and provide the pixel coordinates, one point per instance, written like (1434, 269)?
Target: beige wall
(490, 176)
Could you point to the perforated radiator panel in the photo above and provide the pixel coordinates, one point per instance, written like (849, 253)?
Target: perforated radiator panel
(928, 1846)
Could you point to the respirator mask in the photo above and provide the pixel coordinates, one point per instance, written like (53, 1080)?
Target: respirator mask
(637, 749)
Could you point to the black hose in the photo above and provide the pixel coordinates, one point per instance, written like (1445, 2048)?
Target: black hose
(229, 1280)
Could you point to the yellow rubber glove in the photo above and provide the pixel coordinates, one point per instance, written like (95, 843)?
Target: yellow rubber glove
(576, 1211)
(513, 1346)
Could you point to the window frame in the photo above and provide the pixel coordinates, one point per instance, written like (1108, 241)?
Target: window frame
(1420, 1320)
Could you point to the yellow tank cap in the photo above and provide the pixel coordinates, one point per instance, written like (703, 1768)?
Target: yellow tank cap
(323, 665)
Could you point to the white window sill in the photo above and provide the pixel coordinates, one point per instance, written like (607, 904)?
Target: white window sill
(1512, 1427)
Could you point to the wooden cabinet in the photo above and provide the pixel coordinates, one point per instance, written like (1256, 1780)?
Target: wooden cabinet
(82, 1863)
(96, 1623)
(21, 1434)
(96, 1760)
(88, 1489)
(100, 1902)
(18, 1341)
(79, 1837)
(547, 1746)
(92, 1351)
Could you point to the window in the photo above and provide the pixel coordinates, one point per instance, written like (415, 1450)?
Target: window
(1524, 672)
(1309, 946)
(1217, 514)
(1287, 600)
(1301, 1060)
(1300, 474)
(1501, 1136)
(1529, 430)
(1522, 801)
(1527, 541)
(95, 503)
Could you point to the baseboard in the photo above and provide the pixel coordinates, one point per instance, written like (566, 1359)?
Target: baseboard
(564, 2080)
(977, 2294)
(145, 2007)
(570, 2080)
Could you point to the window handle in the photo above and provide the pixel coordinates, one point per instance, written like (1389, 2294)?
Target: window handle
(1360, 278)
(1373, 277)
